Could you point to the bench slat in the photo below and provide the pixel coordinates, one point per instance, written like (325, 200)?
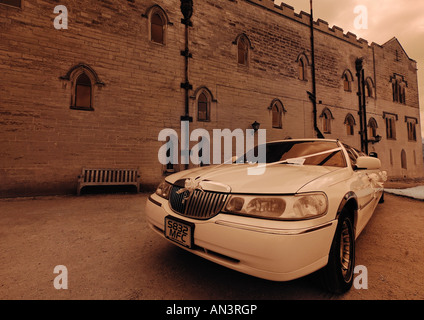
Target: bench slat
(104, 176)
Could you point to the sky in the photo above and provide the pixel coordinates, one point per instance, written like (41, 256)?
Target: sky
(403, 19)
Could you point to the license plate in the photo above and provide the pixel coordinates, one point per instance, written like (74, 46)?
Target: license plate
(179, 231)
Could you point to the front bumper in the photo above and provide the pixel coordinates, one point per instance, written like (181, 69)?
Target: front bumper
(273, 250)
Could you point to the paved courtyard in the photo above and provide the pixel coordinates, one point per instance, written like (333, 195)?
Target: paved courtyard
(110, 253)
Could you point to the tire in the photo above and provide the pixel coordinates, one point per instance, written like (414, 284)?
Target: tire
(337, 276)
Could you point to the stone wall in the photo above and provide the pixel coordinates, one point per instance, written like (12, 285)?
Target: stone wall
(44, 143)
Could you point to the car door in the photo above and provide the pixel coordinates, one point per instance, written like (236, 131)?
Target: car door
(361, 185)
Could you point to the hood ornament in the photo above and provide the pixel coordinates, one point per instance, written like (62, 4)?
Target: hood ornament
(190, 185)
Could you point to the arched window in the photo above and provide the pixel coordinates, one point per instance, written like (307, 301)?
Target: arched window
(350, 125)
(83, 79)
(326, 117)
(157, 27)
(403, 161)
(302, 68)
(347, 81)
(276, 117)
(372, 126)
(83, 92)
(369, 88)
(302, 64)
(203, 107)
(242, 51)
(158, 22)
(277, 110)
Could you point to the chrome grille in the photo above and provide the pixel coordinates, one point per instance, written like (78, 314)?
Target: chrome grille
(202, 204)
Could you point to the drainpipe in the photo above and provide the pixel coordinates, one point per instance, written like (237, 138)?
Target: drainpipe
(313, 95)
(364, 111)
(187, 11)
(361, 98)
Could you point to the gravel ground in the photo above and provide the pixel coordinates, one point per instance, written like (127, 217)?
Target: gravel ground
(110, 253)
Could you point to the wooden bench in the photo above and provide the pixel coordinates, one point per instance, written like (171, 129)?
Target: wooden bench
(108, 177)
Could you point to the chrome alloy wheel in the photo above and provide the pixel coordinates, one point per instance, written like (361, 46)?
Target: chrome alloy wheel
(346, 250)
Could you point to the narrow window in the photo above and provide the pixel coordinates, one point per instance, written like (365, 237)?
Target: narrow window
(346, 83)
(203, 107)
(326, 120)
(403, 160)
(243, 51)
(372, 125)
(369, 88)
(350, 125)
(399, 91)
(412, 132)
(83, 92)
(276, 116)
(301, 70)
(402, 95)
(157, 28)
(395, 91)
(390, 128)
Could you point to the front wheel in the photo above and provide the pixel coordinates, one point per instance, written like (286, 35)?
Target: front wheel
(337, 276)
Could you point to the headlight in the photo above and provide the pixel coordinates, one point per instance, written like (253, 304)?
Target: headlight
(310, 205)
(297, 207)
(163, 190)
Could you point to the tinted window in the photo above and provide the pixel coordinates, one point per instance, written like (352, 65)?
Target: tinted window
(315, 153)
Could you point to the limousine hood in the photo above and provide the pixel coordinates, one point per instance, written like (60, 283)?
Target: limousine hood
(239, 178)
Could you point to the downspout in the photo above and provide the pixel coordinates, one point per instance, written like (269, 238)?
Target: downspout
(359, 75)
(187, 11)
(313, 95)
(364, 110)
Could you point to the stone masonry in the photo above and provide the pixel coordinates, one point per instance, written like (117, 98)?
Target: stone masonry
(44, 143)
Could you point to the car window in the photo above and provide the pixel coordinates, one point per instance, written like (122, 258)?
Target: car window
(318, 153)
(353, 154)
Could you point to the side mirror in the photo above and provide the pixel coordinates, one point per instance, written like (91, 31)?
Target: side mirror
(368, 163)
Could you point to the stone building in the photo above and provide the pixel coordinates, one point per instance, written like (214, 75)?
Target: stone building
(98, 93)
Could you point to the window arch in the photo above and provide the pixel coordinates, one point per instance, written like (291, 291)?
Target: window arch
(326, 117)
(83, 92)
(243, 49)
(350, 124)
(83, 81)
(403, 160)
(302, 64)
(203, 106)
(157, 21)
(369, 88)
(372, 126)
(203, 101)
(277, 110)
(157, 28)
(347, 80)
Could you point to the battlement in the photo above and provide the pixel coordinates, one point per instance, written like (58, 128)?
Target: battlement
(304, 18)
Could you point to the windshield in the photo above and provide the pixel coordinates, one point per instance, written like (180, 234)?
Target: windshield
(314, 153)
